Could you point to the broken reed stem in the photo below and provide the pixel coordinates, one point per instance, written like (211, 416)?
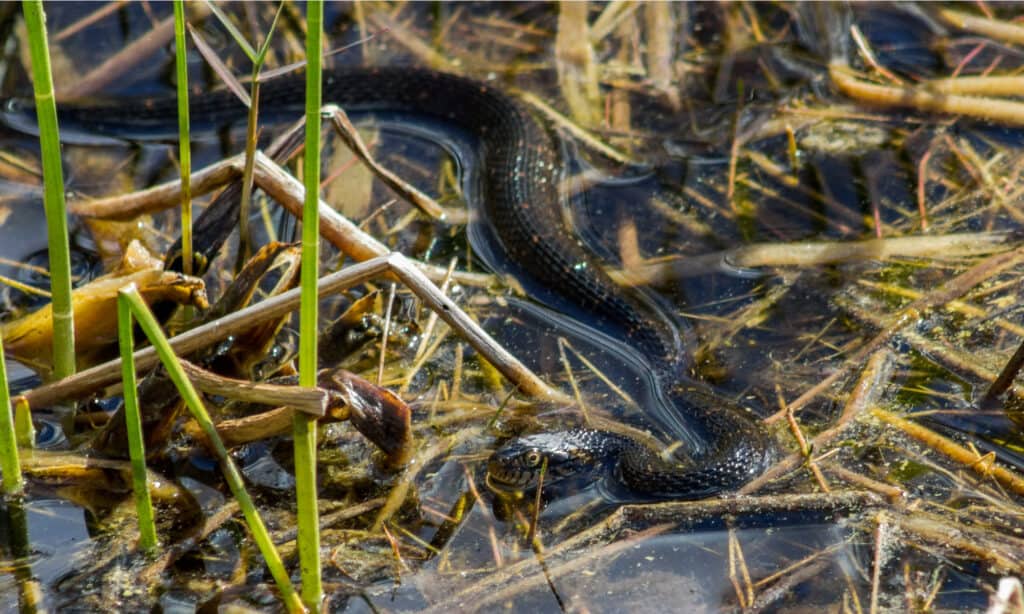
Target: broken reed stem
(994, 28)
(281, 186)
(312, 401)
(348, 133)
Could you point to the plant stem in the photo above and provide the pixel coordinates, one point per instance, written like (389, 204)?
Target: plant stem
(184, 138)
(9, 463)
(304, 427)
(133, 423)
(53, 196)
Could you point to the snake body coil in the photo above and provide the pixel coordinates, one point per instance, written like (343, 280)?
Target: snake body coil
(521, 172)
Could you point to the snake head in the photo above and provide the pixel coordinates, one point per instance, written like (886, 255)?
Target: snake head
(518, 464)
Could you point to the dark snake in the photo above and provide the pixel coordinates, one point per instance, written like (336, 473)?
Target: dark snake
(521, 171)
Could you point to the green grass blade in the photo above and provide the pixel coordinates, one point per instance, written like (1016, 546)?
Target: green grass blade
(9, 462)
(53, 196)
(184, 138)
(133, 424)
(261, 55)
(304, 428)
(218, 66)
(233, 31)
(156, 336)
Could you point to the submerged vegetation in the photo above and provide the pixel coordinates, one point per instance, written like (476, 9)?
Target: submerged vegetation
(824, 198)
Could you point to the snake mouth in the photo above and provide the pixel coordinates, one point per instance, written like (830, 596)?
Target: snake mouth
(507, 481)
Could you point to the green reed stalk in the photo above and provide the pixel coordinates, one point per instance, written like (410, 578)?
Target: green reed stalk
(53, 196)
(184, 136)
(156, 336)
(245, 205)
(257, 57)
(133, 423)
(9, 462)
(304, 426)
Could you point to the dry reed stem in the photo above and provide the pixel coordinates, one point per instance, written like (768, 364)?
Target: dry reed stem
(993, 28)
(350, 136)
(912, 313)
(785, 585)
(576, 65)
(1005, 85)
(878, 560)
(107, 373)
(805, 449)
(978, 107)
(738, 563)
(411, 41)
(577, 131)
(235, 432)
(1003, 552)
(869, 387)
(969, 458)
(893, 493)
(105, 9)
(614, 13)
(160, 197)
(660, 26)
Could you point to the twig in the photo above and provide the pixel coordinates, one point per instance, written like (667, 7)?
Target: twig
(312, 401)
(879, 559)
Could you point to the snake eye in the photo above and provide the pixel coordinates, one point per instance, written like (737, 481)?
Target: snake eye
(532, 458)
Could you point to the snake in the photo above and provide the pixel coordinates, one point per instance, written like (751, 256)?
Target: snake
(521, 168)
